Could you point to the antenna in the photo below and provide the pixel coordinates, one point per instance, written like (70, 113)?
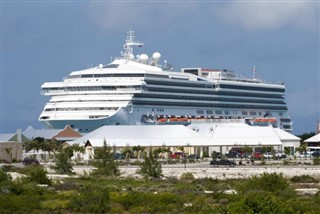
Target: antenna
(254, 70)
(130, 43)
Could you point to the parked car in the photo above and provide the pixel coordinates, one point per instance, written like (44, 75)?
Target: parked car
(257, 155)
(268, 155)
(305, 155)
(29, 161)
(177, 155)
(315, 154)
(280, 154)
(119, 156)
(233, 154)
(193, 157)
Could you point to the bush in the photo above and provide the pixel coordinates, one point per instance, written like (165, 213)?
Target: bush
(260, 202)
(187, 176)
(39, 175)
(269, 182)
(92, 199)
(4, 176)
(105, 163)
(303, 179)
(150, 167)
(316, 161)
(63, 162)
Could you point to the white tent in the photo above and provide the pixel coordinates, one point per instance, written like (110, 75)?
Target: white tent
(164, 135)
(237, 134)
(314, 139)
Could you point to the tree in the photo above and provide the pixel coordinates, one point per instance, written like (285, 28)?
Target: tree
(150, 167)
(63, 161)
(105, 163)
(76, 148)
(138, 150)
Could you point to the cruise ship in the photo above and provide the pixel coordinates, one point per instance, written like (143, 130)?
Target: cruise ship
(138, 90)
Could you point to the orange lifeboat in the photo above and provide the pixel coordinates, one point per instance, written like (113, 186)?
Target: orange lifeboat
(265, 120)
(257, 120)
(272, 120)
(173, 119)
(183, 119)
(162, 120)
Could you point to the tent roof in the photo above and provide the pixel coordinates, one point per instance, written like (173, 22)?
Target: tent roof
(164, 135)
(244, 135)
(286, 135)
(315, 138)
(179, 135)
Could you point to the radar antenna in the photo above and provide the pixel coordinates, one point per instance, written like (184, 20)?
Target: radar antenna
(130, 43)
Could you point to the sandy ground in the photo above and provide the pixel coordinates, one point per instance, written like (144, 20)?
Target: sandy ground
(202, 170)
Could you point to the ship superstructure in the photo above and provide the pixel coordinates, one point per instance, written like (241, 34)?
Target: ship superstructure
(136, 90)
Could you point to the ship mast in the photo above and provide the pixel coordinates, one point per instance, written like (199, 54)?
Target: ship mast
(129, 45)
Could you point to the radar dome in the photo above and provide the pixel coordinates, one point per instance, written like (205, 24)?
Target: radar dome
(144, 58)
(100, 66)
(131, 56)
(156, 56)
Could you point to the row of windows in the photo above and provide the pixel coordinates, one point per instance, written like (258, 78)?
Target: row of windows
(157, 76)
(185, 97)
(101, 88)
(185, 84)
(85, 101)
(254, 88)
(235, 93)
(82, 109)
(209, 105)
(111, 75)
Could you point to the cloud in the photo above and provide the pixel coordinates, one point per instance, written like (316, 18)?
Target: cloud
(272, 15)
(121, 15)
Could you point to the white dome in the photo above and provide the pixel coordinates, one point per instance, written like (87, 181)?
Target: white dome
(144, 58)
(156, 56)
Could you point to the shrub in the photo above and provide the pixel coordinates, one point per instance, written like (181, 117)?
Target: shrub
(316, 161)
(39, 175)
(269, 182)
(92, 200)
(150, 167)
(259, 202)
(303, 179)
(106, 165)
(187, 176)
(63, 162)
(4, 176)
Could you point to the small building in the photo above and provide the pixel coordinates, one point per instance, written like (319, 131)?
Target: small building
(61, 135)
(11, 147)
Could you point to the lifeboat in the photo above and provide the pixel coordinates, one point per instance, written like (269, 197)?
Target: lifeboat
(162, 120)
(264, 120)
(173, 119)
(183, 119)
(272, 120)
(257, 120)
